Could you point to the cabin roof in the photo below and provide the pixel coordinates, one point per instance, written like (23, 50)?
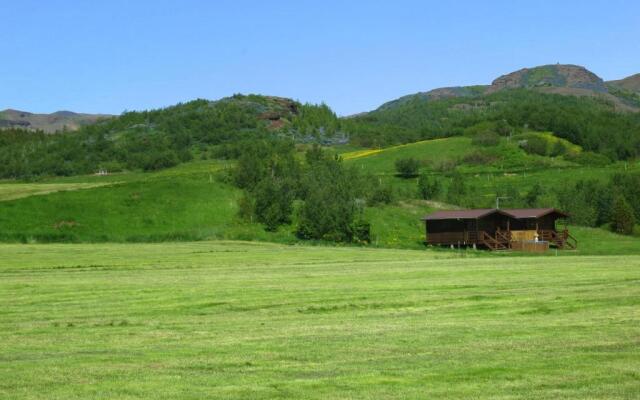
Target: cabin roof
(533, 212)
(461, 214)
(517, 213)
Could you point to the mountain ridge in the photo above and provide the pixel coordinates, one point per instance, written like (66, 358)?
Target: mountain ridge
(564, 79)
(49, 123)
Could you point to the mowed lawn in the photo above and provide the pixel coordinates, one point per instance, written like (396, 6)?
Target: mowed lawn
(247, 320)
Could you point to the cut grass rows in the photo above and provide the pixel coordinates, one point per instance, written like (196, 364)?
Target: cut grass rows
(246, 320)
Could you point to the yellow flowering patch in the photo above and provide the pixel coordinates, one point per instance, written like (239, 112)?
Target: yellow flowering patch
(360, 153)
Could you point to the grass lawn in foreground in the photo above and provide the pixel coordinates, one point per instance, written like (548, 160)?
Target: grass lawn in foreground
(249, 320)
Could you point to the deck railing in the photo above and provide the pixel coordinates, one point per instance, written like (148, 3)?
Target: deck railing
(503, 239)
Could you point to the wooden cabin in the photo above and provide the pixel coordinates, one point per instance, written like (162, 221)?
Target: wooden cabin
(499, 229)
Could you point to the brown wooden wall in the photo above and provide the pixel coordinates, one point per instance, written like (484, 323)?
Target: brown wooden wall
(465, 231)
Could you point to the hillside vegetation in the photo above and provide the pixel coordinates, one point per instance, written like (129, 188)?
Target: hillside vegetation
(567, 101)
(195, 201)
(249, 167)
(591, 123)
(157, 139)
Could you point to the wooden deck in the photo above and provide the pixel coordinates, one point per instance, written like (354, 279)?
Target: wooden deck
(501, 239)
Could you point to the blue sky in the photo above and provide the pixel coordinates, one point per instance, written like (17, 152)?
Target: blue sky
(111, 56)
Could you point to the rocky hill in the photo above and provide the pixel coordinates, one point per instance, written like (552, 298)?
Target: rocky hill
(48, 123)
(568, 100)
(161, 138)
(631, 83)
(558, 76)
(562, 79)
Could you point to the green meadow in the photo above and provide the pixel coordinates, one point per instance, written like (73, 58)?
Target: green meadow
(238, 320)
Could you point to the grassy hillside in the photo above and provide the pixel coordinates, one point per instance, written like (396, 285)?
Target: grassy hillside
(504, 163)
(184, 203)
(236, 320)
(591, 122)
(162, 138)
(441, 155)
(192, 202)
(11, 191)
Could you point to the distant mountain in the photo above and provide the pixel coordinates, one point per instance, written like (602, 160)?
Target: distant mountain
(568, 100)
(48, 123)
(562, 79)
(631, 83)
(627, 89)
(554, 76)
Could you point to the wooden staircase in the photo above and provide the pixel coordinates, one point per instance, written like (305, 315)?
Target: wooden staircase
(500, 242)
(562, 239)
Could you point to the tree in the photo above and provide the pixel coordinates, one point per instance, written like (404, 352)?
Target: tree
(428, 189)
(273, 203)
(457, 190)
(531, 198)
(558, 149)
(486, 139)
(622, 218)
(407, 167)
(330, 210)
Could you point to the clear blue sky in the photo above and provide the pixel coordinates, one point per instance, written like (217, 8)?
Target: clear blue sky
(108, 56)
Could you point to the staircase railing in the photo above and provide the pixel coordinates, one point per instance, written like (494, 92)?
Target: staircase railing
(504, 237)
(561, 239)
(569, 240)
(491, 242)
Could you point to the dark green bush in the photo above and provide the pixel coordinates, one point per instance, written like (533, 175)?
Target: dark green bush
(407, 167)
(486, 139)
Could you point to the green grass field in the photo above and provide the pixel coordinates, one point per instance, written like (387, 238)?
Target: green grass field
(247, 320)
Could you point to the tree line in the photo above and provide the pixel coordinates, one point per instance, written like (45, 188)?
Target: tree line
(613, 203)
(321, 197)
(592, 123)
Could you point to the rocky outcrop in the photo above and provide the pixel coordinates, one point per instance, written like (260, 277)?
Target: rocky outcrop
(565, 76)
(564, 79)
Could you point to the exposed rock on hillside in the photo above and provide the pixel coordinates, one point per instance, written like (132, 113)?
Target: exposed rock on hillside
(567, 76)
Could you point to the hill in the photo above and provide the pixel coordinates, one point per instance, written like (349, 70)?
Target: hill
(630, 83)
(548, 98)
(49, 123)
(567, 100)
(162, 138)
(550, 76)
(561, 79)
(194, 201)
(627, 89)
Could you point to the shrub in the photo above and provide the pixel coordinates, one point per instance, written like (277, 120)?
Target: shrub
(622, 218)
(558, 149)
(535, 145)
(589, 158)
(407, 167)
(381, 194)
(274, 203)
(361, 231)
(159, 160)
(457, 190)
(246, 207)
(330, 206)
(428, 189)
(479, 158)
(447, 165)
(486, 139)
